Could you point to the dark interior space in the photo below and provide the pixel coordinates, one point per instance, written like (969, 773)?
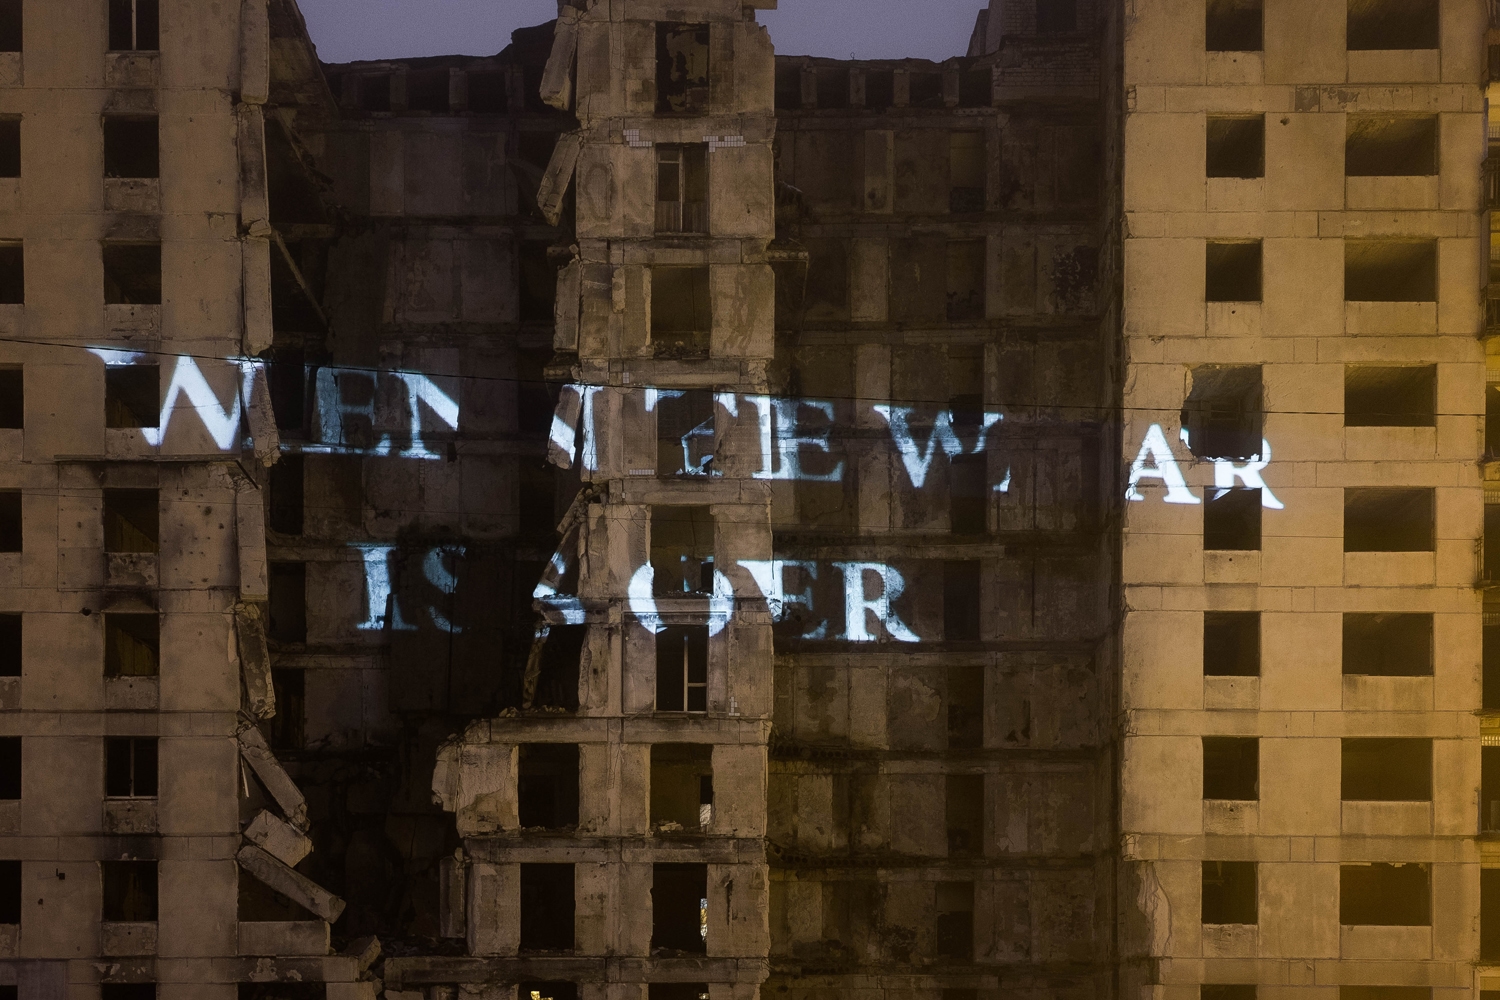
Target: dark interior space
(1391, 146)
(1386, 769)
(954, 933)
(288, 585)
(1392, 24)
(1232, 520)
(547, 785)
(964, 808)
(134, 25)
(679, 897)
(12, 274)
(1233, 26)
(682, 783)
(1385, 895)
(1231, 644)
(129, 890)
(132, 149)
(132, 520)
(132, 396)
(1232, 271)
(547, 907)
(10, 645)
(1229, 892)
(10, 767)
(1377, 396)
(1388, 645)
(12, 399)
(12, 534)
(961, 600)
(132, 275)
(1231, 768)
(1388, 520)
(682, 668)
(682, 68)
(132, 644)
(1224, 411)
(130, 767)
(1390, 271)
(1236, 147)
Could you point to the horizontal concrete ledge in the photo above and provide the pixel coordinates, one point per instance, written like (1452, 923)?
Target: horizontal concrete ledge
(421, 970)
(287, 969)
(283, 937)
(605, 850)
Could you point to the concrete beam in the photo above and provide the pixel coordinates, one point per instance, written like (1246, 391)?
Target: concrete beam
(278, 838)
(271, 774)
(293, 885)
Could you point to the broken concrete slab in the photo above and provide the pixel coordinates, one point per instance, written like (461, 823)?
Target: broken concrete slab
(559, 175)
(271, 774)
(278, 838)
(557, 77)
(291, 884)
(255, 662)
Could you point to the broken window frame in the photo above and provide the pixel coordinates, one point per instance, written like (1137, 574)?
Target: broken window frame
(131, 767)
(684, 416)
(1224, 412)
(137, 23)
(693, 556)
(669, 764)
(681, 329)
(694, 669)
(684, 168)
(695, 94)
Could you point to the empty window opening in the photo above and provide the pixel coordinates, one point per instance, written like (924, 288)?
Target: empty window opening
(1388, 645)
(132, 645)
(1224, 412)
(1385, 895)
(682, 787)
(684, 432)
(1234, 26)
(925, 90)
(1390, 397)
(1394, 993)
(372, 92)
(538, 283)
(965, 707)
(1492, 542)
(1236, 147)
(1388, 520)
(487, 93)
(1056, 17)
(130, 767)
(10, 25)
(537, 497)
(1392, 24)
(965, 295)
(1491, 695)
(1390, 271)
(10, 892)
(12, 399)
(1229, 893)
(1489, 914)
(968, 494)
(11, 536)
(546, 907)
(1225, 991)
(1232, 271)
(134, 25)
(1231, 768)
(966, 171)
(681, 68)
(961, 591)
(682, 668)
(132, 521)
(10, 645)
(10, 768)
(10, 147)
(132, 147)
(682, 550)
(1383, 769)
(129, 891)
(1390, 146)
(287, 728)
(960, 994)
(557, 679)
(1231, 520)
(547, 991)
(955, 921)
(132, 396)
(880, 89)
(428, 90)
(127, 991)
(681, 318)
(1231, 644)
(12, 274)
(679, 907)
(1492, 420)
(965, 814)
(288, 585)
(286, 376)
(132, 274)
(286, 495)
(682, 188)
(1489, 789)
(547, 785)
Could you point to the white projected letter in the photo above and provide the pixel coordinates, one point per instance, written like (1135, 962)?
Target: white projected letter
(423, 389)
(443, 579)
(332, 409)
(642, 600)
(1226, 472)
(565, 427)
(918, 460)
(1163, 466)
(545, 594)
(856, 603)
(789, 444)
(762, 406)
(378, 590)
(222, 424)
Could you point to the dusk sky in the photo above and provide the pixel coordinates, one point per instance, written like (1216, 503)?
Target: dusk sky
(346, 30)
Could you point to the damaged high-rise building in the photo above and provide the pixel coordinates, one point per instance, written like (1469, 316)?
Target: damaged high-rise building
(641, 517)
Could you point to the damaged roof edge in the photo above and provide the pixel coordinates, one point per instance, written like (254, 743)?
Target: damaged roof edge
(297, 77)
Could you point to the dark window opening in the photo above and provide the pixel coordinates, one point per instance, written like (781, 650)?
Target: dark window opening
(965, 708)
(1224, 412)
(966, 170)
(1232, 271)
(546, 907)
(1231, 520)
(685, 432)
(547, 991)
(10, 25)
(1489, 789)
(1492, 420)
(535, 396)
(679, 907)
(955, 921)
(557, 680)
(682, 188)
(1489, 915)
(1231, 768)
(880, 89)
(677, 991)
(1229, 892)
(682, 551)
(288, 585)
(132, 395)
(10, 892)
(132, 274)
(1225, 991)
(132, 147)
(833, 86)
(1231, 644)
(976, 88)
(427, 90)
(129, 890)
(12, 274)
(1234, 26)
(1492, 542)
(1390, 397)
(1388, 520)
(1055, 17)
(286, 377)
(681, 68)
(681, 316)
(538, 283)
(1390, 271)
(11, 536)
(682, 786)
(1388, 645)
(127, 991)
(537, 497)
(965, 294)
(286, 495)
(134, 26)
(965, 814)
(1491, 695)
(961, 591)
(1382, 769)
(130, 767)
(373, 92)
(10, 147)
(10, 768)
(487, 93)
(1397, 993)
(968, 494)
(12, 399)
(1236, 147)
(547, 785)
(1385, 895)
(959, 994)
(925, 90)
(132, 645)
(1386, 146)
(682, 668)
(286, 730)
(1392, 24)
(132, 521)
(10, 645)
